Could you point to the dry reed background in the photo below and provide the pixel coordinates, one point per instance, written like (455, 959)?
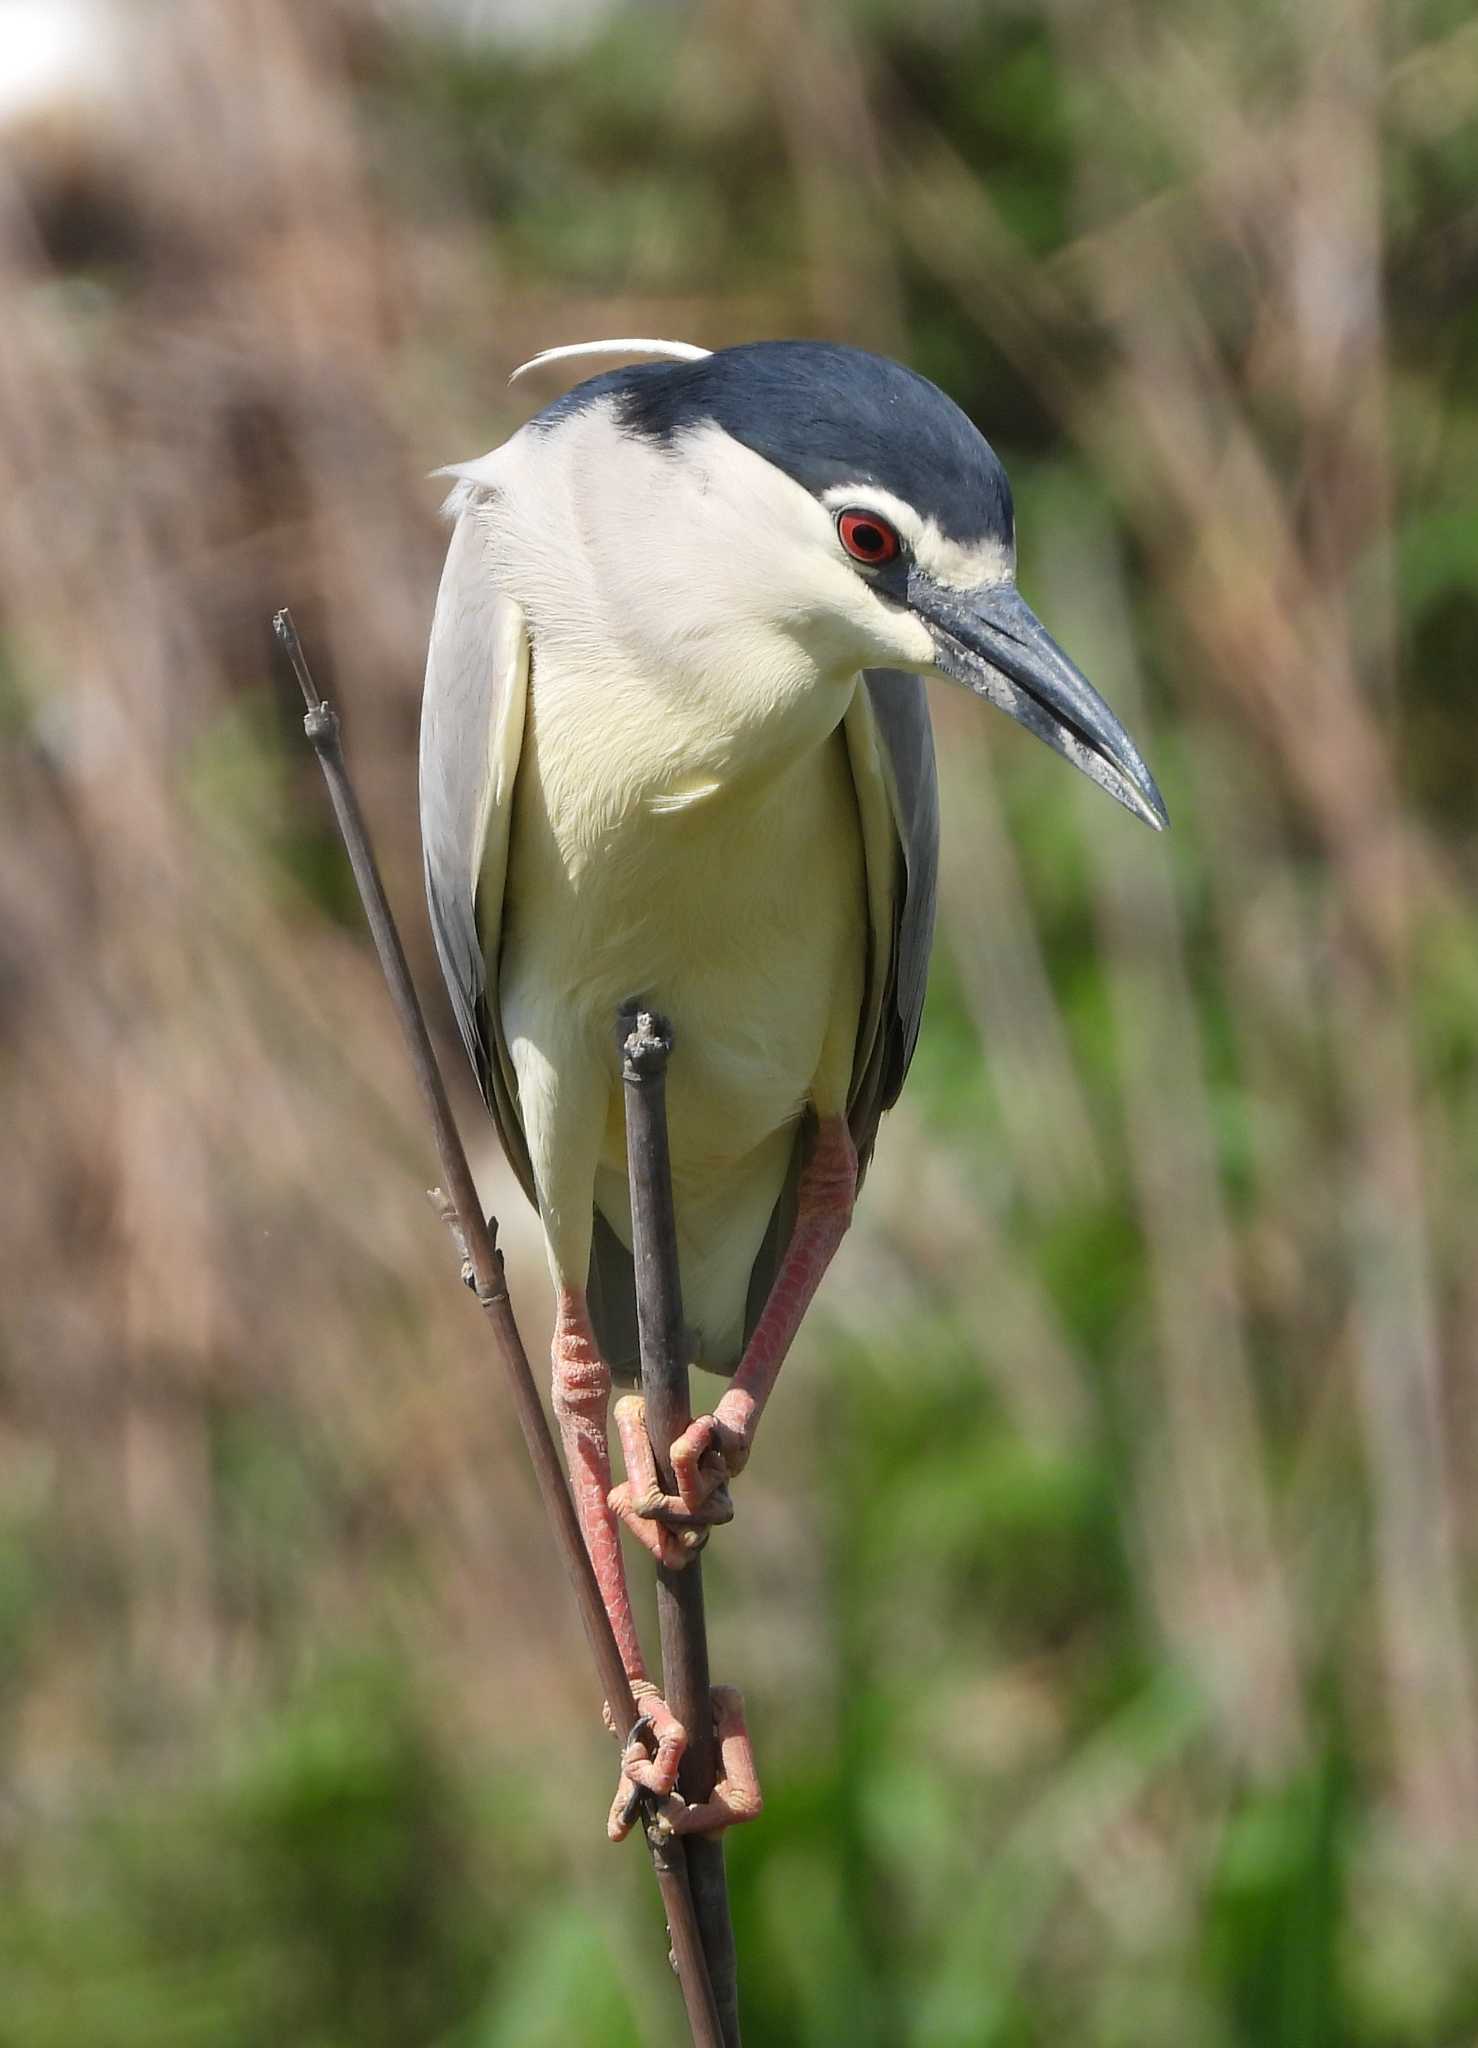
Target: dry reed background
(1112, 1671)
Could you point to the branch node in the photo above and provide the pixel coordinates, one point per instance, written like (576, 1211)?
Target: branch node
(646, 1041)
(321, 723)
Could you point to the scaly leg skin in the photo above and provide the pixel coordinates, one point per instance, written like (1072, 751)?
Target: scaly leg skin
(582, 1387)
(715, 1447)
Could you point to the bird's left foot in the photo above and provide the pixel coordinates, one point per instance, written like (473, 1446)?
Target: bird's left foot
(675, 1526)
(736, 1793)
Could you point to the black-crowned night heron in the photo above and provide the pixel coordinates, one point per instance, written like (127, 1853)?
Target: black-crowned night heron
(676, 747)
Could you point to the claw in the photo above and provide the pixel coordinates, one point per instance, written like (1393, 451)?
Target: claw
(643, 1729)
(629, 1813)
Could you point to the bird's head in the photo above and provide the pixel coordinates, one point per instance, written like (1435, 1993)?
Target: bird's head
(833, 498)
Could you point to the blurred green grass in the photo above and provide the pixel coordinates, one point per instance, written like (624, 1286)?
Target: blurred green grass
(1103, 1590)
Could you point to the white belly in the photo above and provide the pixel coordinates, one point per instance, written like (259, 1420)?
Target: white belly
(741, 915)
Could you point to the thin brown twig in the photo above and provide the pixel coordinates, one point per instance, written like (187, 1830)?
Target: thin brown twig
(476, 1233)
(645, 1050)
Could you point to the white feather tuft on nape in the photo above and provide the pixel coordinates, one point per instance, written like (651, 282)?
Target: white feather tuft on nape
(672, 351)
(473, 483)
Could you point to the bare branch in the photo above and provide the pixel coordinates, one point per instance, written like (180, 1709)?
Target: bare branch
(646, 1047)
(476, 1235)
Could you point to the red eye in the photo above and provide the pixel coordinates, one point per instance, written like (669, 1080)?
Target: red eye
(867, 538)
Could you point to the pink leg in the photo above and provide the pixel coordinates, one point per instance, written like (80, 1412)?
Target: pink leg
(582, 1392)
(582, 1387)
(716, 1446)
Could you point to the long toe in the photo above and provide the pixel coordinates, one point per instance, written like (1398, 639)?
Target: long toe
(736, 1795)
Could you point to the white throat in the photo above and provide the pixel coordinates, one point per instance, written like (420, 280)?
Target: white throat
(693, 623)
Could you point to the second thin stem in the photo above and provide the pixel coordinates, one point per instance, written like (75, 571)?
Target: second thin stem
(664, 1372)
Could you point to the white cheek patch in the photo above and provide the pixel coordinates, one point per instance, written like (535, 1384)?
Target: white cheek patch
(960, 565)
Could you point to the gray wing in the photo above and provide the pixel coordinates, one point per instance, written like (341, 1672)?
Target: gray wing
(905, 746)
(472, 721)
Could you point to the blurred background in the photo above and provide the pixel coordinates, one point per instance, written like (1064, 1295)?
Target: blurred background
(1103, 1590)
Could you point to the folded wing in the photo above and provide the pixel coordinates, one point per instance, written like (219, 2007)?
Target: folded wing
(472, 724)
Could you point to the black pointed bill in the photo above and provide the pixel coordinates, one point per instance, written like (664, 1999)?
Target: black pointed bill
(993, 642)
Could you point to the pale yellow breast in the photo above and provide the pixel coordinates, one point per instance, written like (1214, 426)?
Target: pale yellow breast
(740, 912)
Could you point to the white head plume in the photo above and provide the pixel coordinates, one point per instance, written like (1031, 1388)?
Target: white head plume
(671, 351)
